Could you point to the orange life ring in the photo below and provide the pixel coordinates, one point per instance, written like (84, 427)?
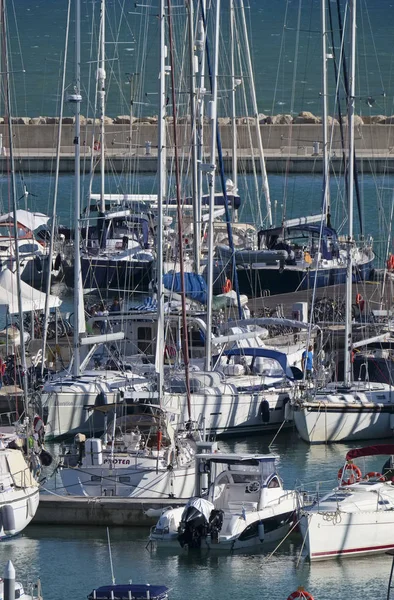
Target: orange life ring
(300, 593)
(227, 286)
(97, 146)
(355, 474)
(375, 475)
(390, 262)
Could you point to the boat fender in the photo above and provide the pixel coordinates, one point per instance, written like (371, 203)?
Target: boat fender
(288, 409)
(58, 262)
(265, 411)
(260, 530)
(8, 519)
(45, 458)
(375, 475)
(300, 593)
(30, 508)
(38, 264)
(355, 474)
(101, 399)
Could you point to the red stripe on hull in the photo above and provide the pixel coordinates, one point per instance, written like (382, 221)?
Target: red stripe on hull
(352, 550)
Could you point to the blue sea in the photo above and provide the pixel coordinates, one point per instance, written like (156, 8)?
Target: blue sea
(285, 44)
(287, 66)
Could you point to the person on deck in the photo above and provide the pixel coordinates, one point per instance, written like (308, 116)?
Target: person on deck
(307, 362)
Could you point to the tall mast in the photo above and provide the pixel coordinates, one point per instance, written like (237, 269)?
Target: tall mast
(101, 76)
(350, 241)
(193, 116)
(8, 111)
(233, 101)
(256, 118)
(200, 45)
(162, 164)
(326, 167)
(211, 182)
(76, 99)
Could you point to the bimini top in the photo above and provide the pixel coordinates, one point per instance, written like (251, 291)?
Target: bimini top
(135, 591)
(379, 449)
(280, 357)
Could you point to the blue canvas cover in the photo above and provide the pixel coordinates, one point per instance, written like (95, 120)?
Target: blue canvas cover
(195, 285)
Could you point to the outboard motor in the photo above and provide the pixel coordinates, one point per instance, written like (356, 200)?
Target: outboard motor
(215, 524)
(192, 528)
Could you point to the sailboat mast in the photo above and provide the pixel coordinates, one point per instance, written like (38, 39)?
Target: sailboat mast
(101, 76)
(185, 344)
(162, 165)
(211, 180)
(256, 118)
(75, 99)
(233, 101)
(349, 277)
(193, 116)
(8, 111)
(326, 167)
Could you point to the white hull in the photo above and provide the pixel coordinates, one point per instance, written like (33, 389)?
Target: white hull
(140, 481)
(359, 415)
(24, 504)
(228, 412)
(347, 534)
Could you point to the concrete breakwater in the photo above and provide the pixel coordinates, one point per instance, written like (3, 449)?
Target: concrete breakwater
(294, 147)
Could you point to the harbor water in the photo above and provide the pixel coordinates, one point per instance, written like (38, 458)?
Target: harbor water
(71, 561)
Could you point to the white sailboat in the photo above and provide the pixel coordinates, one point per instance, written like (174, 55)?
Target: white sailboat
(357, 517)
(66, 395)
(349, 410)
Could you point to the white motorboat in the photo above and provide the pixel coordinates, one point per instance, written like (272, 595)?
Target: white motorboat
(362, 411)
(19, 492)
(357, 517)
(141, 456)
(245, 505)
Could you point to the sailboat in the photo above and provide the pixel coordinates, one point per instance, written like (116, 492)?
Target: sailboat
(299, 253)
(66, 395)
(351, 410)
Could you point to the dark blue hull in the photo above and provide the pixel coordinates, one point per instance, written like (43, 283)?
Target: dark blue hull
(257, 282)
(113, 275)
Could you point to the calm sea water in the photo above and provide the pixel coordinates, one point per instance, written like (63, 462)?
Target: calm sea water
(287, 65)
(73, 560)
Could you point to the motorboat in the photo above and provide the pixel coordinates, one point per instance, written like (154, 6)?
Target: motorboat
(355, 518)
(141, 455)
(242, 504)
(137, 591)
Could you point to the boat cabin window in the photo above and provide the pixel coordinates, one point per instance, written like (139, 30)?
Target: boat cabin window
(28, 248)
(337, 498)
(245, 478)
(95, 478)
(17, 594)
(274, 483)
(144, 340)
(124, 479)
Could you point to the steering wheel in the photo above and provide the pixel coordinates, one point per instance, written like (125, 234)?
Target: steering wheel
(253, 487)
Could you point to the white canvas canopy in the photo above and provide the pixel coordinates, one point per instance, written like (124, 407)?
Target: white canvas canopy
(31, 299)
(31, 220)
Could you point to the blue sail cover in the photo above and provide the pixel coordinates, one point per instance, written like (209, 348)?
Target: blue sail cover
(138, 592)
(195, 285)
